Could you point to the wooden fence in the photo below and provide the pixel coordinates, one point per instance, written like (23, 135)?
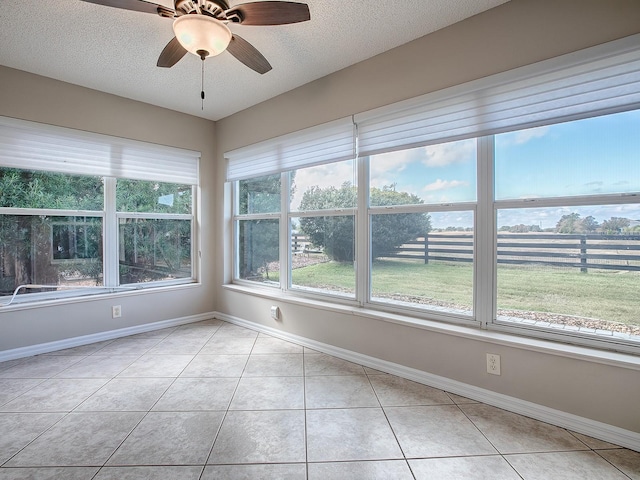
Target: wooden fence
(613, 252)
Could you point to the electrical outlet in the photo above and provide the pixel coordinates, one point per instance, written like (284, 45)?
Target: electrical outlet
(493, 364)
(116, 311)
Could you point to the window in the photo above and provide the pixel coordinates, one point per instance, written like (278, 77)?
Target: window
(568, 252)
(154, 231)
(44, 241)
(421, 247)
(258, 227)
(68, 226)
(510, 203)
(323, 204)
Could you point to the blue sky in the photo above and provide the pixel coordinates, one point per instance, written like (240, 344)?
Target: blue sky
(594, 156)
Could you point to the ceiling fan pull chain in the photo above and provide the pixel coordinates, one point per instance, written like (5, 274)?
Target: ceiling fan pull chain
(202, 85)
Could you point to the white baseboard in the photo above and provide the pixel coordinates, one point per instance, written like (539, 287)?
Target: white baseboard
(98, 337)
(592, 428)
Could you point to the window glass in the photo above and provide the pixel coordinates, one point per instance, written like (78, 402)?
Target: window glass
(572, 268)
(329, 186)
(259, 195)
(322, 254)
(49, 250)
(152, 197)
(258, 250)
(59, 237)
(423, 260)
(76, 238)
(595, 156)
(444, 173)
(154, 249)
(34, 189)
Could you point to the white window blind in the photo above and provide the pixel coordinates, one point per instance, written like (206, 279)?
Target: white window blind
(598, 80)
(329, 142)
(36, 146)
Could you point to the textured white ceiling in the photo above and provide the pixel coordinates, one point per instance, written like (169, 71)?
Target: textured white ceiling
(115, 51)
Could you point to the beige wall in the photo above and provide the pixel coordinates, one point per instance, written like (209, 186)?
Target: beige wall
(39, 99)
(515, 34)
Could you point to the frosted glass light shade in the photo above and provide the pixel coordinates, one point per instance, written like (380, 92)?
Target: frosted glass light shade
(201, 33)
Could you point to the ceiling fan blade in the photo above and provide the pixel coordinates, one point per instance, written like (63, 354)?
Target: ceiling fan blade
(135, 5)
(269, 13)
(171, 54)
(247, 54)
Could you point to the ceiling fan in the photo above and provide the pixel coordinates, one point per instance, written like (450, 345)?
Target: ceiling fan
(201, 26)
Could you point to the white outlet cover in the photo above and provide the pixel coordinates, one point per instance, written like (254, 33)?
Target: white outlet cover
(493, 364)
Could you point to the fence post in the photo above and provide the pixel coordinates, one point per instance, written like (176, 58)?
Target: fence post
(583, 254)
(426, 248)
(295, 242)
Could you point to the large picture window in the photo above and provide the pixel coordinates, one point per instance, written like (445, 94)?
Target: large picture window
(510, 203)
(568, 250)
(68, 228)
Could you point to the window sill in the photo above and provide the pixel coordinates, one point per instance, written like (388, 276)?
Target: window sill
(68, 298)
(473, 333)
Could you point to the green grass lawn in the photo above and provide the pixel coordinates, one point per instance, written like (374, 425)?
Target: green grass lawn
(440, 282)
(328, 275)
(598, 294)
(601, 294)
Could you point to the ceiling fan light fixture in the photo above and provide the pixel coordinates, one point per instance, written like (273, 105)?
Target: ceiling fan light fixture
(202, 35)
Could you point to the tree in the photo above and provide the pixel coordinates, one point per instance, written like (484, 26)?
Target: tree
(521, 228)
(589, 224)
(570, 223)
(615, 225)
(335, 234)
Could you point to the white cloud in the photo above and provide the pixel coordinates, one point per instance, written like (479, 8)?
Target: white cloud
(450, 153)
(440, 184)
(523, 136)
(391, 163)
(323, 176)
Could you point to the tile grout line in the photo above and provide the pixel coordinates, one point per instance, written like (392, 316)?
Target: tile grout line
(488, 440)
(304, 404)
(384, 412)
(224, 417)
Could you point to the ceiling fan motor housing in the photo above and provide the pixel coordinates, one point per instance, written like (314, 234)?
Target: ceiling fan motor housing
(213, 8)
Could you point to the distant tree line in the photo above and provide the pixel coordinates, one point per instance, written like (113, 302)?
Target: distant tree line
(573, 223)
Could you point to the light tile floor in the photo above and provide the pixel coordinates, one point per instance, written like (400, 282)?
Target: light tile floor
(212, 400)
